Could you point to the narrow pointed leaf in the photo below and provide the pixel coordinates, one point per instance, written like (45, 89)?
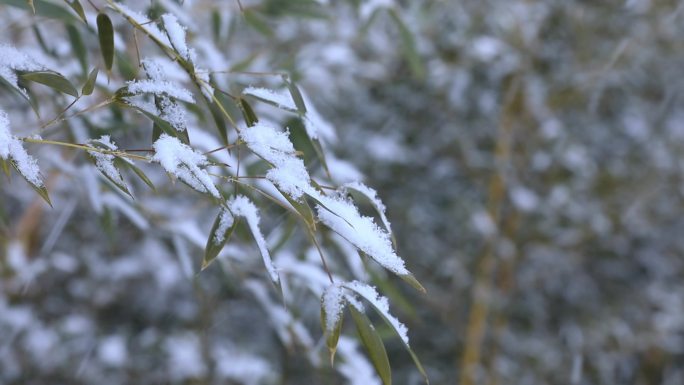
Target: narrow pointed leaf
(213, 247)
(52, 80)
(373, 343)
(5, 167)
(40, 189)
(248, 113)
(78, 8)
(257, 23)
(89, 85)
(137, 172)
(332, 326)
(296, 96)
(409, 47)
(33, 7)
(411, 280)
(105, 32)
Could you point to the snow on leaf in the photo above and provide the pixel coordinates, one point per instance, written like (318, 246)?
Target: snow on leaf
(12, 60)
(343, 217)
(225, 221)
(183, 162)
(333, 305)
(160, 88)
(372, 196)
(288, 173)
(142, 22)
(105, 162)
(12, 148)
(241, 206)
(176, 34)
(281, 99)
(380, 304)
(316, 126)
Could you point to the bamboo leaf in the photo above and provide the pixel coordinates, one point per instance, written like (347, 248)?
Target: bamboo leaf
(52, 80)
(40, 189)
(89, 85)
(248, 113)
(43, 8)
(33, 7)
(332, 334)
(296, 95)
(411, 280)
(105, 32)
(373, 343)
(78, 8)
(137, 172)
(213, 247)
(257, 22)
(409, 46)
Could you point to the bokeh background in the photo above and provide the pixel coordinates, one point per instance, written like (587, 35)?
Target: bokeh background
(530, 155)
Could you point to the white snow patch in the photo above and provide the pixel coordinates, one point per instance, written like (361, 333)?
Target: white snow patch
(12, 148)
(380, 303)
(176, 34)
(105, 162)
(372, 196)
(11, 60)
(333, 305)
(183, 162)
(282, 99)
(225, 221)
(146, 24)
(243, 207)
(160, 88)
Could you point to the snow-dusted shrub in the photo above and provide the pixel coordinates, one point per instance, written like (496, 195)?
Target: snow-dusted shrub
(133, 94)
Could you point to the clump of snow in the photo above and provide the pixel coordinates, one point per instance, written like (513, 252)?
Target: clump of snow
(288, 172)
(160, 88)
(105, 162)
(343, 217)
(241, 206)
(380, 304)
(165, 92)
(11, 60)
(333, 306)
(316, 126)
(176, 34)
(372, 196)
(12, 148)
(183, 162)
(282, 99)
(225, 221)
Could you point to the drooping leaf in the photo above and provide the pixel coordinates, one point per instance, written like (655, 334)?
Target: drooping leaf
(53, 80)
(33, 7)
(257, 22)
(89, 85)
(373, 343)
(78, 8)
(43, 8)
(105, 32)
(40, 189)
(248, 113)
(129, 165)
(409, 46)
(332, 301)
(213, 247)
(296, 95)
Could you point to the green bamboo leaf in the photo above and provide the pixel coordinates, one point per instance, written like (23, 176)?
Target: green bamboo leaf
(5, 167)
(43, 8)
(137, 172)
(78, 47)
(40, 189)
(89, 85)
(296, 95)
(213, 248)
(257, 22)
(33, 7)
(78, 8)
(409, 46)
(411, 280)
(304, 209)
(105, 32)
(52, 80)
(248, 113)
(373, 343)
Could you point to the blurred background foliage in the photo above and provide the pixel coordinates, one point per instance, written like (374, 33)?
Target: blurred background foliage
(529, 154)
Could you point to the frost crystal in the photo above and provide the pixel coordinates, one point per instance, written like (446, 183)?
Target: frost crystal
(12, 148)
(241, 206)
(183, 162)
(281, 99)
(11, 60)
(333, 305)
(380, 303)
(225, 221)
